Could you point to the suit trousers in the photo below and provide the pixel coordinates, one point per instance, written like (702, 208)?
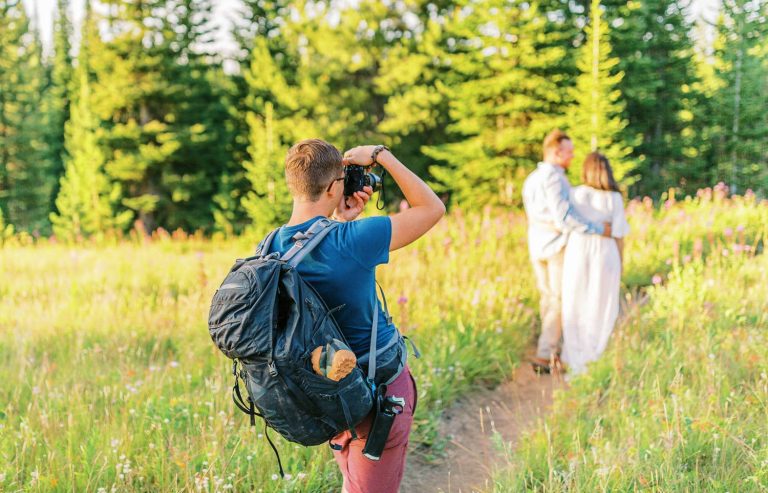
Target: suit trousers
(549, 280)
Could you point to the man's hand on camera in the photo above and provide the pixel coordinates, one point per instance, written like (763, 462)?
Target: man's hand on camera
(360, 155)
(351, 207)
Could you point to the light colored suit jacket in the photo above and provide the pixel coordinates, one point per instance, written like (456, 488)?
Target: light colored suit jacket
(550, 213)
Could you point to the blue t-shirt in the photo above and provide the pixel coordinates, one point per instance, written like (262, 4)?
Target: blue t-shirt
(342, 269)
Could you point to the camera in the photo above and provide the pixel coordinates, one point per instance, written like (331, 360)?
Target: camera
(356, 177)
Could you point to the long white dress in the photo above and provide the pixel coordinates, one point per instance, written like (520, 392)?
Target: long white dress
(591, 278)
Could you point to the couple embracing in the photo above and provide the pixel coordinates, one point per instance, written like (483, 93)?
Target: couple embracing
(575, 239)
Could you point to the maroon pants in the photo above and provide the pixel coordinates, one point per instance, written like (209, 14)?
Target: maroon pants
(362, 475)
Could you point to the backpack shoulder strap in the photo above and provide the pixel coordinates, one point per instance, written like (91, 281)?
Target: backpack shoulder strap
(263, 247)
(374, 332)
(307, 241)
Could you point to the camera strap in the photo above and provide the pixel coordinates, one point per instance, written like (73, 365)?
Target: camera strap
(372, 349)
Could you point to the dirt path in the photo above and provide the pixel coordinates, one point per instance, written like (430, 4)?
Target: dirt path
(510, 409)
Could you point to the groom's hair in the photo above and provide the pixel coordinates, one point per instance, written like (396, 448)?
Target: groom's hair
(310, 166)
(553, 140)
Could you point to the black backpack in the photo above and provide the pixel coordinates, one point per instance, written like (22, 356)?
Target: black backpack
(267, 319)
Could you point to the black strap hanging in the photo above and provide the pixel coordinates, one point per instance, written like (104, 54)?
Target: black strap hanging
(250, 410)
(348, 417)
(274, 449)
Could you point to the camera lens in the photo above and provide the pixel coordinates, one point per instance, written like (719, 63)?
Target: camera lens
(374, 181)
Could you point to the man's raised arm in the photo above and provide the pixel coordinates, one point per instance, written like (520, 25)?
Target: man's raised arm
(426, 208)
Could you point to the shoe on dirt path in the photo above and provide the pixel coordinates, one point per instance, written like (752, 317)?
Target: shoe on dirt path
(544, 366)
(541, 366)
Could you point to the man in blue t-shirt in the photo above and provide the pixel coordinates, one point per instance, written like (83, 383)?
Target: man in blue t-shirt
(343, 271)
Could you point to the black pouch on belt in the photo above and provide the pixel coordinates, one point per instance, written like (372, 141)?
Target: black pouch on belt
(387, 408)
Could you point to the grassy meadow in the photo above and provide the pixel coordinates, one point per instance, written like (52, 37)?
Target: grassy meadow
(109, 380)
(679, 402)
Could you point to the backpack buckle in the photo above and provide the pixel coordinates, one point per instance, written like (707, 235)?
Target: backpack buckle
(272, 369)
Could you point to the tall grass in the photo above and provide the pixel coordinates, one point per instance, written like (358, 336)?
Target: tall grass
(109, 380)
(678, 404)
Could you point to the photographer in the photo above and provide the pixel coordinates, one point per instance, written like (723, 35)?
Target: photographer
(342, 270)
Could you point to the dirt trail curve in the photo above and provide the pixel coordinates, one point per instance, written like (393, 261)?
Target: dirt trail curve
(510, 409)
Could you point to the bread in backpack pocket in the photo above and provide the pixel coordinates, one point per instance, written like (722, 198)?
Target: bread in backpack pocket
(333, 360)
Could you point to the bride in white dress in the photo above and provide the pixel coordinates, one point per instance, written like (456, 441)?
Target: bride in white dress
(592, 267)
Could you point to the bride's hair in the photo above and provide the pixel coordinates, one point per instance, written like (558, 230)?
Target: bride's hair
(597, 173)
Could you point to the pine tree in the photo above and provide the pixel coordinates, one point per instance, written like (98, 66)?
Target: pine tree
(413, 77)
(255, 20)
(318, 84)
(259, 19)
(85, 202)
(740, 124)
(510, 100)
(166, 137)
(202, 118)
(24, 182)
(700, 170)
(58, 94)
(652, 41)
(268, 202)
(596, 120)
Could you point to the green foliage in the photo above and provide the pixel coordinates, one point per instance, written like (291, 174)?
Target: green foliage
(6, 230)
(121, 327)
(58, 95)
(166, 134)
(741, 66)
(596, 121)
(463, 90)
(312, 82)
(268, 203)
(678, 401)
(508, 102)
(413, 76)
(86, 201)
(652, 40)
(25, 185)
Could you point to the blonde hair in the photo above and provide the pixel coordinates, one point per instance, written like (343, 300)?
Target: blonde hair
(310, 166)
(553, 140)
(597, 173)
